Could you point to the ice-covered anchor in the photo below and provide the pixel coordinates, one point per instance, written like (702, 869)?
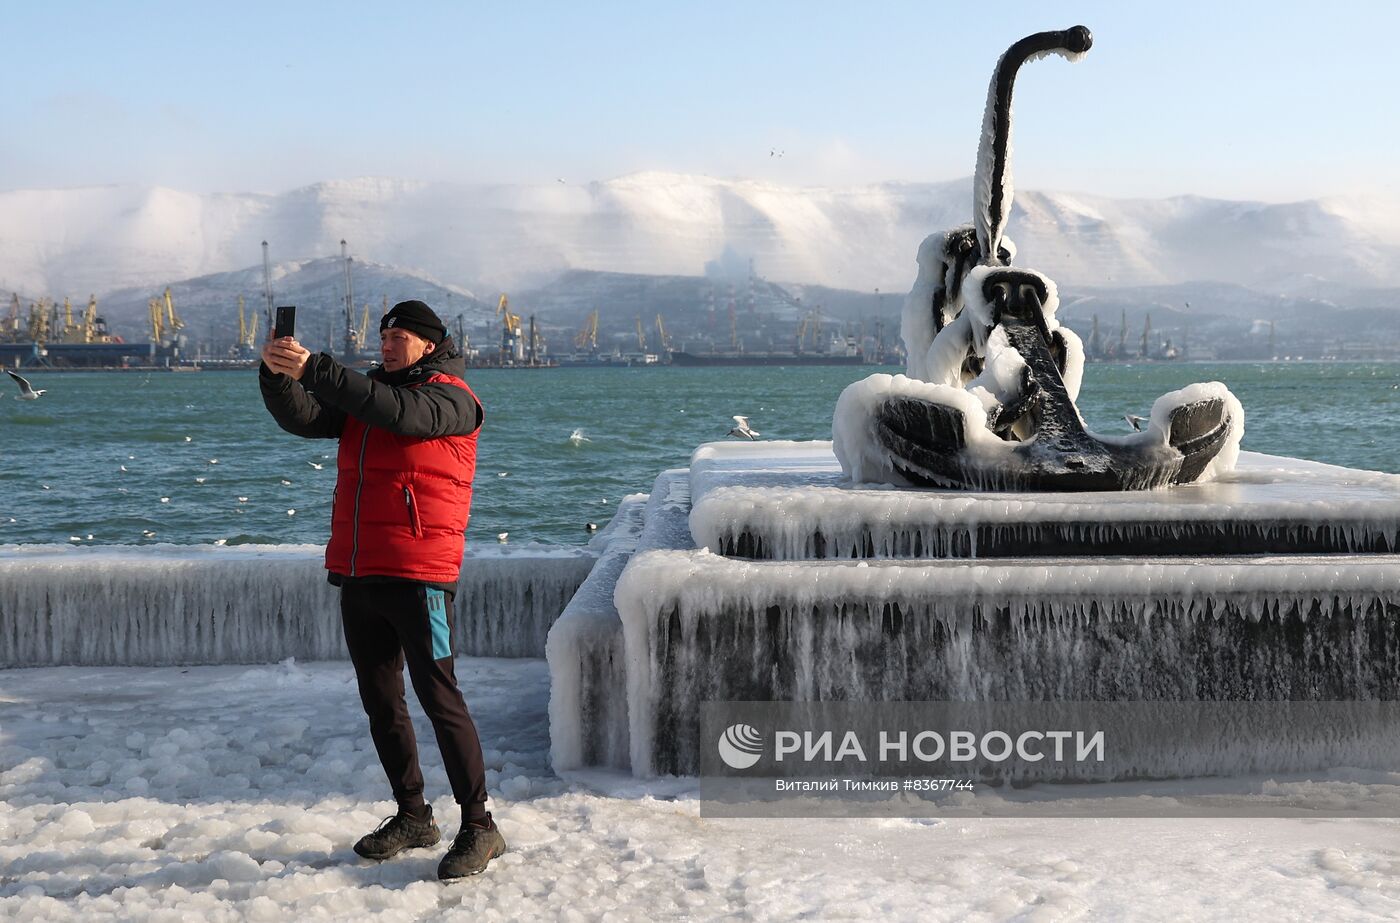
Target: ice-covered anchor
(989, 399)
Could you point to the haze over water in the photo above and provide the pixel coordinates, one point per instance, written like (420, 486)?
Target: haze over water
(533, 482)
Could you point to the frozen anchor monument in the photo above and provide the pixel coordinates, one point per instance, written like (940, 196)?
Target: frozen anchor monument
(965, 537)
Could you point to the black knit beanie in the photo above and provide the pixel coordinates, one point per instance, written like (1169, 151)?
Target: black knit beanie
(415, 317)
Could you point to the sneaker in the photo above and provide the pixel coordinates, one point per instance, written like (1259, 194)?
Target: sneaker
(397, 833)
(471, 851)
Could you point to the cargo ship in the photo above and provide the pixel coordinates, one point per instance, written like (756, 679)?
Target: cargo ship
(839, 351)
(680, 357)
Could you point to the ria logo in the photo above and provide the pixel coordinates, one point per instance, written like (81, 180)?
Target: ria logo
(740, 746)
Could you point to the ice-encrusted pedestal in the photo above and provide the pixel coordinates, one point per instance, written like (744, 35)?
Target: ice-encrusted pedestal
(757, 574)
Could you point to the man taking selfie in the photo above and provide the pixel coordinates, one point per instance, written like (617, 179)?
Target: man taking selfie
(407, 433)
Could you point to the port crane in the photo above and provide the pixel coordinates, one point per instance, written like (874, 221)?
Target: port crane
(70, 329)
(662, 335)
(165, 323)
(247, 327)
(587, 337)
(91, 322)
(39, 321)
(512, 337)
(641, 336)
(362, 334)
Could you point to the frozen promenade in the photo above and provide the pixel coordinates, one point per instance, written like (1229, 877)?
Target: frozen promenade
(235, 792)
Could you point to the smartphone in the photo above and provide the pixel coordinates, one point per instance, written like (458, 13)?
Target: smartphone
(286, 323)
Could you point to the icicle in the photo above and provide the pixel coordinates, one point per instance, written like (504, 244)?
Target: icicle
(251, 604)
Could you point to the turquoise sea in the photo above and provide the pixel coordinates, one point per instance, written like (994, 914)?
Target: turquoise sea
(136, 458)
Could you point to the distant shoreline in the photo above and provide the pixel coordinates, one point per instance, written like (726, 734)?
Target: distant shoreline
(495, 368)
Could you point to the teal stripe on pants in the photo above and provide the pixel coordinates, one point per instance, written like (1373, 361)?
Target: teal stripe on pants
(437, 622)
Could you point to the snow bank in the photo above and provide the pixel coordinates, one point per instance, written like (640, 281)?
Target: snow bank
(235, 793)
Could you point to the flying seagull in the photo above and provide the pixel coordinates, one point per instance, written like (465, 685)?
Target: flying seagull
(741, 428)
(26, 391)
(1135, 421)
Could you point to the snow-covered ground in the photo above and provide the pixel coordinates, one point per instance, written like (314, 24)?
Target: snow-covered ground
(235, 792)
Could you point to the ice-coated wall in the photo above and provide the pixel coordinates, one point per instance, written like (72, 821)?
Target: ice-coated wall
(589, 664)
(1267, 504)
(587, 676)
(700, 627)
(507, 604)
(251, 604)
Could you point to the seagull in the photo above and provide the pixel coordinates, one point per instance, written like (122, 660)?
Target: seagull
(291, 512)
(1135, 421)
(590, 527)
(502, 536)
(26, 391)
(286, 483)
(317, 465)
(199, 480)
(578, 438)
(741, 429)
(189, 439)
(502, 474)
(242, 499)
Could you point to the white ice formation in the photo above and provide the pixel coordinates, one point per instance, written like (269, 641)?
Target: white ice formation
(691, 621)
(177, 604)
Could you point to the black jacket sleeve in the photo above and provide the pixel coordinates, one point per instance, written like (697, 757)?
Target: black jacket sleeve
(426, 411)
(295, 410)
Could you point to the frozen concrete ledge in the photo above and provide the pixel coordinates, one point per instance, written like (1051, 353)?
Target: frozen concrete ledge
(868, 594)
(179, 604)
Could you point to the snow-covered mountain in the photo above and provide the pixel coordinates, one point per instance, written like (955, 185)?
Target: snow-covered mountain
(74, 242)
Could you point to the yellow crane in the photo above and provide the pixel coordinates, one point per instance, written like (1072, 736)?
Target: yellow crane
(70, 329)
(362, 334)
(39, 326)
(512, 338)
(662, 335)
(172, 320)
(247, 327)
(587, 337)
(157, 322)
(503, 310)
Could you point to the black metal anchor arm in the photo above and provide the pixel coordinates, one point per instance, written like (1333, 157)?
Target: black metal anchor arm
(994, 150)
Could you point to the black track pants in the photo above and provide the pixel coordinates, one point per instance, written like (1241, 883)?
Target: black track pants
(386, 626)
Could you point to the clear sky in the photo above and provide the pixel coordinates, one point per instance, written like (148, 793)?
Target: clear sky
(1273, 101)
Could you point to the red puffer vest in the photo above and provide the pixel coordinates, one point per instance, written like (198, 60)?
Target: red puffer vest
(401, 502)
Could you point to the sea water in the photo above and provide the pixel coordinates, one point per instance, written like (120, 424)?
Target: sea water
(136, 458)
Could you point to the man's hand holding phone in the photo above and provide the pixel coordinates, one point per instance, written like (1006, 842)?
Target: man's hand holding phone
(282, 353)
